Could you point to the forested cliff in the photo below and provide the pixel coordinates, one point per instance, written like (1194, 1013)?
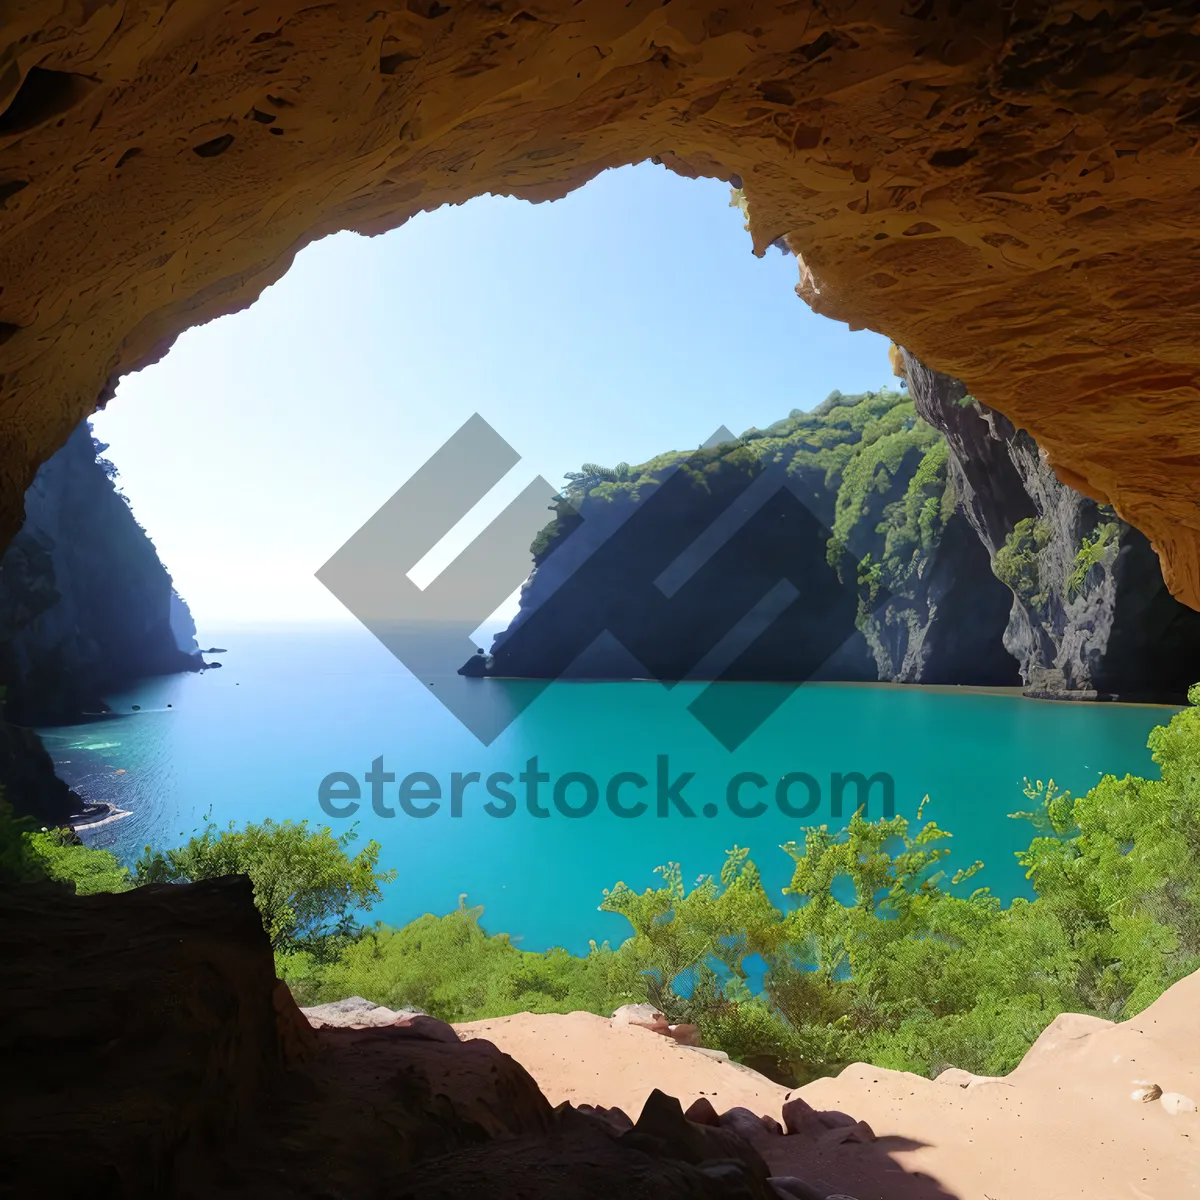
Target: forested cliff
(925, 541)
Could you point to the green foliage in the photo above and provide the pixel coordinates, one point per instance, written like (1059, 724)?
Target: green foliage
(451, 968)
(1094, 551)
(306, 885)
(1018, 563)
(17, 862)
(850, 449)
(61, 855)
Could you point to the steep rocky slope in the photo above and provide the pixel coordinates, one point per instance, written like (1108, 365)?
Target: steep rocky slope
(1007, 190)
(152, 1052)
(1091, 615)
(926, 540)
(845, 508)
(85, 604)
(86, 607)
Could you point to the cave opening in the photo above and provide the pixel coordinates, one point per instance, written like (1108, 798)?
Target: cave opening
(1005, 199)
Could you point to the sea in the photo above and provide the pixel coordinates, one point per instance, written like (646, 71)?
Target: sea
(322, 724)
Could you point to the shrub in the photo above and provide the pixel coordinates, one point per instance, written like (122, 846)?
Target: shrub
(305, 884)
(61, 855)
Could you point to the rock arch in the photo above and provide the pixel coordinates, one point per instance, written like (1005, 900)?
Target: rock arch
(1010, 198)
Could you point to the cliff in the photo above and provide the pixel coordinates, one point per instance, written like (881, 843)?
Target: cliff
(1090, 615)
(924, 538)
(850, 505)
(86, 607)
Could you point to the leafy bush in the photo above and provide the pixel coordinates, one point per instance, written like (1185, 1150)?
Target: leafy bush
(451, 968)
(1093, 552)
(61, 855)
(305, 884)
(17, 862)
(1018, 562)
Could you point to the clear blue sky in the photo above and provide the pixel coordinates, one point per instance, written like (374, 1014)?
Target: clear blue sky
(627, 319)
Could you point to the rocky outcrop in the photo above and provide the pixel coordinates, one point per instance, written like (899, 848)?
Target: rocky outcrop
(152, 1052)
(848, 505)
(86, 606)
(944, 625)
(1009, 194)
(1091, 615)
(28, 780)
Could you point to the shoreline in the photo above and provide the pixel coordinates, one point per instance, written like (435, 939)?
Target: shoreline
(1014, 691)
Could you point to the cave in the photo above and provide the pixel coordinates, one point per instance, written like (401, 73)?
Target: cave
(1008, 195)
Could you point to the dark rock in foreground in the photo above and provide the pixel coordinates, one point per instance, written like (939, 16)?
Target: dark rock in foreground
(150, 1051)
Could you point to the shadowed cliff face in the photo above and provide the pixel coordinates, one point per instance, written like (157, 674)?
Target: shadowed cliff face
(1008, 191)
(849, 506)
(1091, 615)
(86, 606)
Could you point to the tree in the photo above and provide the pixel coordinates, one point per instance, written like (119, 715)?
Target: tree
(306, 885)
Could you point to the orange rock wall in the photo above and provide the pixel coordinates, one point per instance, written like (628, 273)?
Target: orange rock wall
(1011, 199)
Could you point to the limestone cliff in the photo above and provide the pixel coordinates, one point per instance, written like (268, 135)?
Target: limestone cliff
(1090, 613)
(85, 604)
(849, 506)
(927, 539)
(86, 607)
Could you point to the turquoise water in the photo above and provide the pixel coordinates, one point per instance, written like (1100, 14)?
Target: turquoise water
(256, 738)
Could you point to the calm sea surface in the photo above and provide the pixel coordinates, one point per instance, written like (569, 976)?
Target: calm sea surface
(291, 706)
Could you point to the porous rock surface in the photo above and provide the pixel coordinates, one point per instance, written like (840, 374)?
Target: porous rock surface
(1008, 192)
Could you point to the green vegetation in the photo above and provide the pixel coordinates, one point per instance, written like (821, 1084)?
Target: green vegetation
(306, 885)
(879, 953)
(1093, 552)
(876, 474)
(61, 855)
(1018, 563)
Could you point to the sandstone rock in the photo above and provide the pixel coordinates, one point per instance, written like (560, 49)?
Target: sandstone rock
(743, 1122)
(663, 1120)
(702, 1112)
(146, 1033)
(615, 1118)
(800, 1117)
(708, 1052)
(646, 1016)
(860, 1132)
(791, 1187)
(832, 1119)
